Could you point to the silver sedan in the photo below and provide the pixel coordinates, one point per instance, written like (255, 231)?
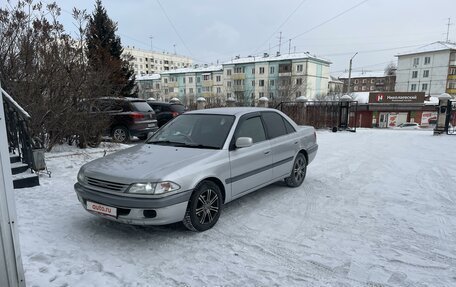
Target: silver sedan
(195, 164)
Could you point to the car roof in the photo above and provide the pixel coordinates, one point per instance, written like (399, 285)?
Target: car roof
(235, 111)
(163, 103)
(130, 99)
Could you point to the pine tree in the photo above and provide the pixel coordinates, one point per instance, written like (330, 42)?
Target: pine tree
(104, 52)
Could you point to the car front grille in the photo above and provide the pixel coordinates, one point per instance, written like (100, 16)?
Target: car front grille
(106, 184)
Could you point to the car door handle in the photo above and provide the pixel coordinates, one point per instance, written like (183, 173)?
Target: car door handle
(267, 152)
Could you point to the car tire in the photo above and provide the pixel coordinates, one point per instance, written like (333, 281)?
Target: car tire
(204, 207)
(298, 173)
(120, 134)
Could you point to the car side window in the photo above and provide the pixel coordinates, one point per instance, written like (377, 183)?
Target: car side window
(290, 129)
(252, 128)
(274, 124)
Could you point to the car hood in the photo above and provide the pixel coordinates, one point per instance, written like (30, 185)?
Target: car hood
(144, 162)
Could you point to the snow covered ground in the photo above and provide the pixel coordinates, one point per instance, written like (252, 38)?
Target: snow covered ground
(378, 208)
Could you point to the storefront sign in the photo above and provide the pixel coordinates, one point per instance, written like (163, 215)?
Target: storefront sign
(396, 97)
(428, 118)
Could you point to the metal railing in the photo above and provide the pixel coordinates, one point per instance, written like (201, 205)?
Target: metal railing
(17, 129)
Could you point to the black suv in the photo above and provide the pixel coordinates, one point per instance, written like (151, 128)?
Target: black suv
(127, 117)
(166, 111)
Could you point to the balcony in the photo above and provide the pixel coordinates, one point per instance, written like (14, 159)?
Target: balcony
(208, 83)
(238, 88)
(451, 77)
(238, 76)
(451, 91)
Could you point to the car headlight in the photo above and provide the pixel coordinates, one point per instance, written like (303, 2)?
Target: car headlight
(153, 187)
(81, 176)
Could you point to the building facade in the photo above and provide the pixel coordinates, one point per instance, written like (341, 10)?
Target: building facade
(430, 69)
(279, 78)
(368, 82)
(146, 62)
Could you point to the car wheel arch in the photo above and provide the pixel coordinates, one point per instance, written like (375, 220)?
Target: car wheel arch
(218, 182)
(304, 152)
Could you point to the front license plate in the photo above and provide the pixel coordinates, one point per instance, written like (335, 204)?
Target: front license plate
(100, 208)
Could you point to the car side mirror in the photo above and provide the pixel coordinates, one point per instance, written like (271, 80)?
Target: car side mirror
(244, 142)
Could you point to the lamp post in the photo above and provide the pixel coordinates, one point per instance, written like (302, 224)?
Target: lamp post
(349, 73)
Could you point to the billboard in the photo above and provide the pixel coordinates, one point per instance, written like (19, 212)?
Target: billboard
(396, 98)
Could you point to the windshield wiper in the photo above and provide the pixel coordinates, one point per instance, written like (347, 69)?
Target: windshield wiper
(167, 143)
(193, 145)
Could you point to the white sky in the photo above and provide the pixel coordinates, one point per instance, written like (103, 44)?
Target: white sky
(215, 30)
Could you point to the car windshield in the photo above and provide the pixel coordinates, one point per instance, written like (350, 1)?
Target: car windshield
(178, 108)
(195, 131)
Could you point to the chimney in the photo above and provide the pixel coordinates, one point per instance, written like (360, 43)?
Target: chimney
(265, 55)
(278, 54)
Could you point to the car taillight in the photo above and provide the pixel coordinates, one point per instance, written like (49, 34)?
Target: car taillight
(137, 116)
(175, 114)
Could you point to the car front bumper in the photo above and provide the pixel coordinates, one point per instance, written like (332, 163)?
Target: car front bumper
(138, 211)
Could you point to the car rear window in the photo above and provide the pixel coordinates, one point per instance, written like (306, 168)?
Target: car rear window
(141, 107)
(178, 108)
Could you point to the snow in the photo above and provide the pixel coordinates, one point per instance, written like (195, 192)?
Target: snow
(361, 97)
(200, 69)
(271, 58)
(433, 47)
(377, 209)
(148, 77)
(363, 74)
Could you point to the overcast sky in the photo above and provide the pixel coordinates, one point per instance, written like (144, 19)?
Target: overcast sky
(209, 30)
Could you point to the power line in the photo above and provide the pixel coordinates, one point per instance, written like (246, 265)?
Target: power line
(174, 28)
(328, 20)
(281, 25)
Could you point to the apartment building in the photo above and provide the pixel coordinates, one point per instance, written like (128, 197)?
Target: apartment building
(279, 78)
(146, 62)
(368, 81)
(430, 69)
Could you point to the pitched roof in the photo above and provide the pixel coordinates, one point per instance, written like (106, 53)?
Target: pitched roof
(195, 70)
(271, 58)
(363, 74)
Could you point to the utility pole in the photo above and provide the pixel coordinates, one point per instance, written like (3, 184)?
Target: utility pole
(280, 41)
(349, 73)
(151, 46)
(448, 30)
(289, 46)
(174, 46)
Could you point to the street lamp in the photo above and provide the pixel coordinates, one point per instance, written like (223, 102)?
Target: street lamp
(350, 72)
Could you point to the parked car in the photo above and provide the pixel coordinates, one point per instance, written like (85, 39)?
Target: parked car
(126, 117)
(166, 111)
(408, 126)
(195, 164)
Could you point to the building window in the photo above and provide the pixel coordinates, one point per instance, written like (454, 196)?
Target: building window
(452, 85)
(253, 71)
(356, 81)
(228, 95)
(261, 70)
(190, 80)
(239, 70)
(218, 78)
(298, 94)
(165, 80)
(271, 83)
(364, 88)
(228, 72)
(425, 73)
(413, 87)
(372, 88)
(427, 60)
(355, 88)
(261, 83)
(190, 91)
(364, 81)
(219, 90)
(424, 87)
(299, 68)
(452, 71)
(261, 94)
(228, 83)
(414, 74)
(166, 91)
(198, 79)
(372, 81)
(271, 70)
(206, 77)
(253, 83)
(271, 95)
(299, 81)
(416, 61)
